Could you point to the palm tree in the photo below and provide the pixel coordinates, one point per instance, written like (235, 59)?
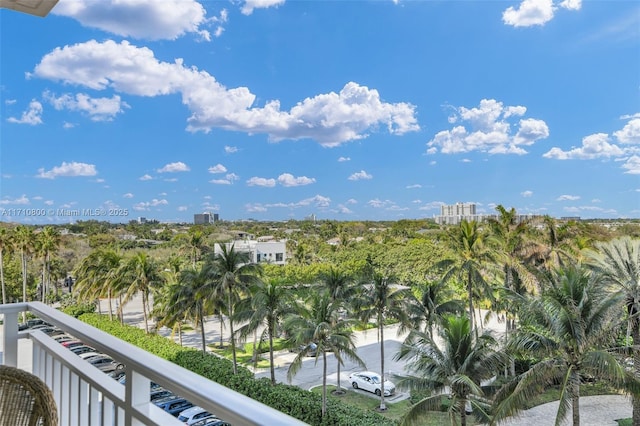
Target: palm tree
(566, 328)
(270, 302)
(457, 366)
(508, 238)
(25, 242)
(233, 273)
(382, 299)
(436, 300)
(618, 262)
(6, 244)
(184, 300)
(319, 324)
(341, 288)
(47, 241)
(143, 274)
(470, 256)
(98, 276)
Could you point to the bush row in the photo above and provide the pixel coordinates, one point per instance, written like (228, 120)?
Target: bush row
(296, 402)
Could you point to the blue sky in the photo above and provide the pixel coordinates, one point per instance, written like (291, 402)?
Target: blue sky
(350, 110)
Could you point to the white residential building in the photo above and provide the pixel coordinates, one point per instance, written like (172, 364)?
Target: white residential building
(260, 251)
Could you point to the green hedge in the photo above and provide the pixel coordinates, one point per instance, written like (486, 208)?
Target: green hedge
(296, 402)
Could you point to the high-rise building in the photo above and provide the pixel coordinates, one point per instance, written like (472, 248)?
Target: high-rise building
(202, 218)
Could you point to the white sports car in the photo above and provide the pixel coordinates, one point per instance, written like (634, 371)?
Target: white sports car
(371, 382)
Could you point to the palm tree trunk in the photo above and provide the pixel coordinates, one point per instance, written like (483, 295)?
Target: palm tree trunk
(231, 338)
(383, 407)
(110, 305)
(202, 336)
(221, 330)
(470, 293)
(635, 333)
(272, 369)
(144, 311)
(255, 349)
(575, 396)
(324, 383)
(339, 389)
(24, 283)
(462, 406)
(4, 290)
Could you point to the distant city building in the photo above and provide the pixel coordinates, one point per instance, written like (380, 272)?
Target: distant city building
(260, 251)
(205, 218)
(142, 220)
(454, 214)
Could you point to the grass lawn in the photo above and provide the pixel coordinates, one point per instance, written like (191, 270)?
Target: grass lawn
(395, 411)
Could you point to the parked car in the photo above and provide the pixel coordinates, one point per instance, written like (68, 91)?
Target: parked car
(71, 343)
(211, 421)
(159, 393)
(89, 355)
(173, 405)
(79, 350)
(116, 374)
(193, 414)
(32, 323)
(105, 363)
(371, 382)
(61, 338)
(311, 351)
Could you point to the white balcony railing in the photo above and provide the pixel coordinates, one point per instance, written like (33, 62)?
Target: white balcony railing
(87, 397)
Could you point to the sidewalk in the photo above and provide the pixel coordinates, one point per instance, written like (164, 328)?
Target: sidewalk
(601, 410)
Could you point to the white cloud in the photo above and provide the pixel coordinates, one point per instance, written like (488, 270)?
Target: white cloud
(127, 195)
(352, 201)
(487, 129)
(529, 13)
(342, 209)
(287, 179)
(182, 208)
(147, 205)
(250, 5)
(32, 116)
(98, 109)
(218, 168)
(630, 116)
(258, 181)
(331, 119)
(571, 4)
(228, 179)
(23, 200)
(230, 149)
(536, 12)
(72, 169)
(343, 159)
(630, 133)
(255, 208)
(568, 198)
(434, 205)
(632, 165)
(178, 166)
(145, 19)
(146, 177)
(414, 186)
(526, 194)
(361, 175)
(593, 146)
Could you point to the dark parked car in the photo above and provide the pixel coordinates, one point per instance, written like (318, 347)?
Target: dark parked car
(173, 405)
(159, 393)
(32, 323)
(105, 363)
(79, 350)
